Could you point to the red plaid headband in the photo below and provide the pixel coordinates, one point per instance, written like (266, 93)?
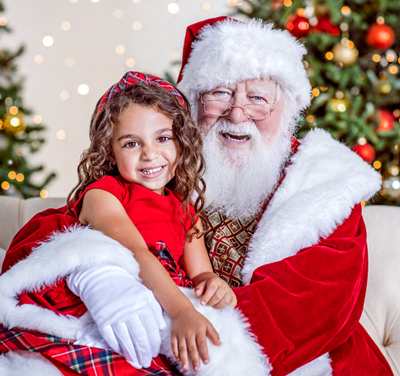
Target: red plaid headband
(132, 78)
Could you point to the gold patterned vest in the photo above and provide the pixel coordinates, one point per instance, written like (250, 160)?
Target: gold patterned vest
(227, 241)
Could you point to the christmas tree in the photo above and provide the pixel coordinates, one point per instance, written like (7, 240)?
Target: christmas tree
(17, 138)
(353, 64)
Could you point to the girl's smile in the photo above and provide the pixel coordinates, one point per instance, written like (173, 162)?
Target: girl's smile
(144, 147)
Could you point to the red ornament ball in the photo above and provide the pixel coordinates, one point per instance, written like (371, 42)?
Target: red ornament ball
(380, 37)
(325, 25)
(386, 118)
(298, 26)
(366, 152)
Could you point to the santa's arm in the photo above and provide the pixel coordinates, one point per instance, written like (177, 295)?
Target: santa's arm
(308, 304)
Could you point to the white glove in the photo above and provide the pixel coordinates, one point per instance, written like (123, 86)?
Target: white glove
(127, 314)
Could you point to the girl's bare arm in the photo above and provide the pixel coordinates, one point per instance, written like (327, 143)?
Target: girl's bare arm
(196, 262)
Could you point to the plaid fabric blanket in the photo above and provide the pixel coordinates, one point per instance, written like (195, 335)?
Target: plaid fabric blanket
(88, 361)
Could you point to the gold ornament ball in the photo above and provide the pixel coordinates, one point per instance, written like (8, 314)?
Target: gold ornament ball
(338, 105)
(343, 54)
(14, 124)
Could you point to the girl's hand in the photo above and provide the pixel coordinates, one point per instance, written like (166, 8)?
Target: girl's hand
(188, 338)
(215, 291)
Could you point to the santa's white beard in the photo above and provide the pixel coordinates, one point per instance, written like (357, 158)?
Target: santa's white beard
(238, 181)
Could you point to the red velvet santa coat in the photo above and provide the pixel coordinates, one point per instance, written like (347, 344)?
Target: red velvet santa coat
(305, 274)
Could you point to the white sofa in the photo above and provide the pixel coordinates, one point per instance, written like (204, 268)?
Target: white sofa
(381, 317)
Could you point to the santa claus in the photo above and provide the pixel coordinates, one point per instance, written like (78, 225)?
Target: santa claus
(285, 230)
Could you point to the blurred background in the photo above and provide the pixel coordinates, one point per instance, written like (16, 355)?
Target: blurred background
(59, 57)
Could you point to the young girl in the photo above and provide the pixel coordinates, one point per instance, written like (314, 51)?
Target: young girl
(143, 138)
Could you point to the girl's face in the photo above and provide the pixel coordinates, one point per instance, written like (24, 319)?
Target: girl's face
(144, 147)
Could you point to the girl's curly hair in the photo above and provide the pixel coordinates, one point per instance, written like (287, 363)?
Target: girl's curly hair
(96, 161)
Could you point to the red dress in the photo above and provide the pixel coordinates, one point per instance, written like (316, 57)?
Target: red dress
(157, 217)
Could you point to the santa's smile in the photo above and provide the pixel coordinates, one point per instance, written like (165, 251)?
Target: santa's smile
(235, 138)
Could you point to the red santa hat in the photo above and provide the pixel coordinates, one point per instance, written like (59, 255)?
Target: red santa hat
(221, 51)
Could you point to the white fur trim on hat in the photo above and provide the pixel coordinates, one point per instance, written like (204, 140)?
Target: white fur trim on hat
(229, 51)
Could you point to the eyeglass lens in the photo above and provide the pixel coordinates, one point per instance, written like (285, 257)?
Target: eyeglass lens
(252, 111)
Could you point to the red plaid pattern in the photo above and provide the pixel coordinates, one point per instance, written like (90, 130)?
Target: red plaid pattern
(131, 78)
(174, 270)
(88, 361)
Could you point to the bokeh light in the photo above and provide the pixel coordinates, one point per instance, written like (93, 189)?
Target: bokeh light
(64, 95)
(206, 6)
(118, 13)
(173, 8)
(70, 62)
(137, 26)
(130, 63)
(120, 49)
(38, 59)
(61, 135)
(37, 119)
(66, 26)
(48, 41)
(83, 89)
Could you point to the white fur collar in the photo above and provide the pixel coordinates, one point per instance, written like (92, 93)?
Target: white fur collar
(322, 184)
(54, 259)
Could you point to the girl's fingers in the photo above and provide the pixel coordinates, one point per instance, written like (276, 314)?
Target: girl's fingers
(199, 290)
(203, 348)
(208, 294)
(213, 335)
(174, 347)
(183, 355)
(193, 353)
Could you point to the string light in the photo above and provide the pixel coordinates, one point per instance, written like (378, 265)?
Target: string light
(3, 21)
(73, 1)
(12, 175)
(15, 122)
(287, 3)
(44, 193)
(393, 69)
(5, 185)
(83, 89)
(37, 119)
(380, 20)
(329, 55)
(376, 58)
(390, 57)
(377, 165)
(8, 101)
(48, 41)
(315, 92)
(14, 110)
(137, 26)
(345, 11)
(20, 177)
(38, 59)
(362, 141)
(136, 1)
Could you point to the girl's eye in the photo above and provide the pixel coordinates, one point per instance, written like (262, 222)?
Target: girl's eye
(163, 139)
(132, 144)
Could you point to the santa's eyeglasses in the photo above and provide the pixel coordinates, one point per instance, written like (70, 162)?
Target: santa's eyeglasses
(215, 104)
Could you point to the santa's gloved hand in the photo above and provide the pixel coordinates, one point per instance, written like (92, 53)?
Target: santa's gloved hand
(127, 314)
